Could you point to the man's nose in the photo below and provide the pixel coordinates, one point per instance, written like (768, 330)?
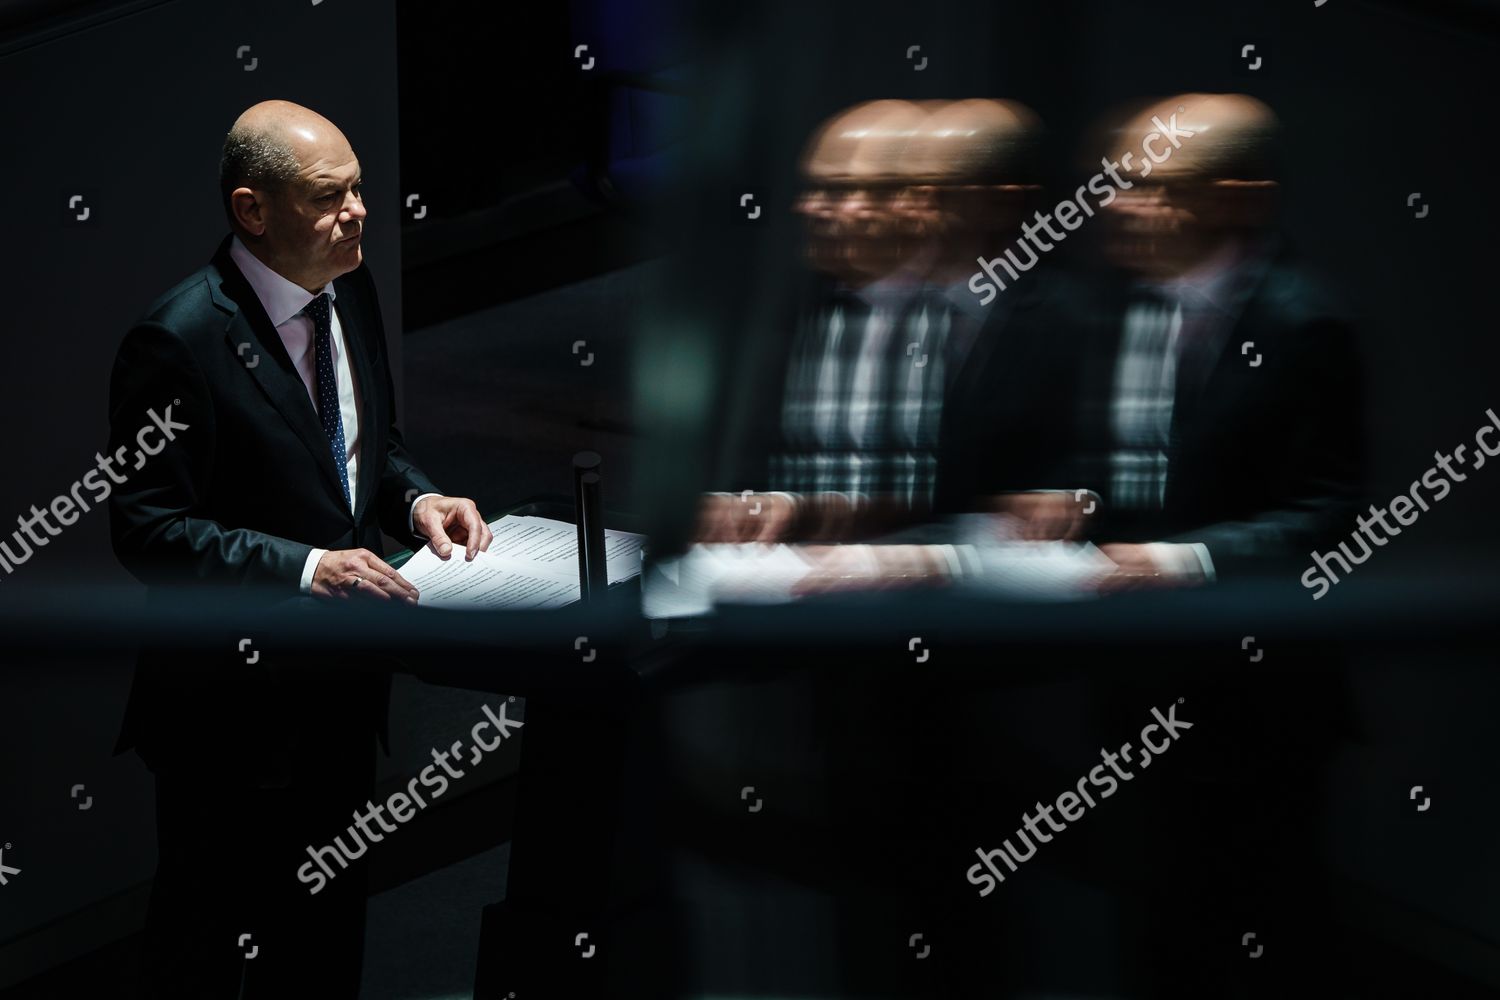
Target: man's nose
(853, 203)
(355, 208)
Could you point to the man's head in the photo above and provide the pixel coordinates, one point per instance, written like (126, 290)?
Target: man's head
(1214, 190)
(856, 170)
(974, 172)
(291, 189)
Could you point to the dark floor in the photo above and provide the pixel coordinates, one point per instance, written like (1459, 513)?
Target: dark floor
(422, 938)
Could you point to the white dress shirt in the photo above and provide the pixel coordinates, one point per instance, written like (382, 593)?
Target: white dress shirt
(284, 301)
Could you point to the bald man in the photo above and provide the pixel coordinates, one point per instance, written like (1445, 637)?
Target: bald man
(285, 465)
(1217, 408)
(893, 361)
(826, 376)
(1219, 416)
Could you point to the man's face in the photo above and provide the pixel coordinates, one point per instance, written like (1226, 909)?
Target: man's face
(1162, 227)
(1183, 213)
(855, 230)
(314, 225)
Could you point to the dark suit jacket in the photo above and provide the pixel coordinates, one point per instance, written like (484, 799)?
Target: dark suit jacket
(239, 499)
(1004, 410)
(1265, 461)
(985, 443)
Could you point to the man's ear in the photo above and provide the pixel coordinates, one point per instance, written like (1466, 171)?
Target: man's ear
(249, 210)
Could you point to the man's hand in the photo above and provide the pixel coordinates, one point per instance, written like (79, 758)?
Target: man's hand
(1139, 566)
(759, 517)
(1048, 516)
(444, 521)
(346, 573)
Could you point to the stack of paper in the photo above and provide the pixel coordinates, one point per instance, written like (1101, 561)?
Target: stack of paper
(531, 563)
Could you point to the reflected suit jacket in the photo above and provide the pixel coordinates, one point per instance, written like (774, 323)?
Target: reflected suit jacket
(1267, 455)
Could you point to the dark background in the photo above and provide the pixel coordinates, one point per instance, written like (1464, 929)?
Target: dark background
(551, 194)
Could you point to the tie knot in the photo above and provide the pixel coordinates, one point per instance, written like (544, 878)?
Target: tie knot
(318, 310)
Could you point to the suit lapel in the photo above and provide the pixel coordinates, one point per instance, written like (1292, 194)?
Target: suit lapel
(266, 360)
(963, 369)
(1224, 371)
(997, 340)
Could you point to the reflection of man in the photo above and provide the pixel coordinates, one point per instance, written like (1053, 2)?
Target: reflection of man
(291, 464)
(856, 358)
(1217, 408)
(881, 385)
(1217, 412)
(827, 380)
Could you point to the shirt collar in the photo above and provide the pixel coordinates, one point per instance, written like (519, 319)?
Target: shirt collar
(1219, 282)
(894, 290)
(281, 297)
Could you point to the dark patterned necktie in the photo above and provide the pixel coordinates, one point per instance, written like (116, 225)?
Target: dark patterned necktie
(328, 387)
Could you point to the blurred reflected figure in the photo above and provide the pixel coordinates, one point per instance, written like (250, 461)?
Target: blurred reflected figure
(881, 375)
(855, 167)
(1217, 414)
(830, 451)
(853, 420)
(1217, 408)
